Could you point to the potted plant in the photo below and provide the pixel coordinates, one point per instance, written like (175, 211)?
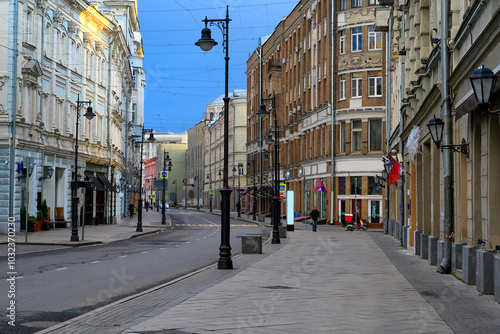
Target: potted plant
(23, 218)
(39, 220)
(31, 223)
(45, 213)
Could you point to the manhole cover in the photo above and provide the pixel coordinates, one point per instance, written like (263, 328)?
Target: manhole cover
(279, 287)
(40, 324)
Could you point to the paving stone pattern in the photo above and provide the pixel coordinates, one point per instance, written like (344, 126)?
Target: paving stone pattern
(464, 308)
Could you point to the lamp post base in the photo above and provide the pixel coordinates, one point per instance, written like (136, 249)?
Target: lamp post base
(163, 218)
(74, 219)
(225, 261)
(139, 216)
(276, 232)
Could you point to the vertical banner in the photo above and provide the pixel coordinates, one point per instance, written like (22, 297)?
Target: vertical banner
(289, 211)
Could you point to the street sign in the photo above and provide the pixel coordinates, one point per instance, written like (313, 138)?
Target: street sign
(164, 174)
(153, 196)
(282, 195)
(211, 191)
(166, 196)
(282, 188)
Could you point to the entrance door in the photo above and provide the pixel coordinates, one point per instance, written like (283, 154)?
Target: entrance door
(99, 208)
(89, 207)
(356, 210)
(375, 212)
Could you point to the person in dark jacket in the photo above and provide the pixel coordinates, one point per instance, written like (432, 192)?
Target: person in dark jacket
(131, 209)
(314, 217)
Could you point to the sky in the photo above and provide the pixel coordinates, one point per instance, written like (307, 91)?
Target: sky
(181, 79)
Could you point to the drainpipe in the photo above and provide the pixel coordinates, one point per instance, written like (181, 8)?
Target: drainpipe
(12, 101)
(332, 105)
(260, 125)
(445, 265)
(388, 111)
(401, 182)
(108, 139)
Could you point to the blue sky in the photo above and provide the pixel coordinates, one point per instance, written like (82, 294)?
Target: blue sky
(181, 79)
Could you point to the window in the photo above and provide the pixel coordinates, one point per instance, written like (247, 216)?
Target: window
(373, 2)
(356, 136)
(375, 135)
(342, 137)
(356, 185)
(342, 4)
(342, 41)
(372, 188)
(375, 86)
(374, 39)
(356, 3)
(356, 39)
(341, 185)
(342, 87)
(29, 17)
(356, 84)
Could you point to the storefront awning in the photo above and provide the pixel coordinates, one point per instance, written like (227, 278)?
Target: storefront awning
(106, 182)
(98, 185)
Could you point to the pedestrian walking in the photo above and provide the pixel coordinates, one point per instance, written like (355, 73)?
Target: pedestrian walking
(238, 207)
(131, 209)
(314, 217)
(147, 206)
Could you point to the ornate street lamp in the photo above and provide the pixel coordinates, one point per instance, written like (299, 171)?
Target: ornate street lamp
(206, 43)
(151, 139)
(276, 200)
(483, 82)
(74, 198)
(165, 172)
(50, 172)
(436, 126)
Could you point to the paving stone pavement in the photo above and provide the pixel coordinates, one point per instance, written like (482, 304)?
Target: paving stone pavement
(314, 283)
(464, 308)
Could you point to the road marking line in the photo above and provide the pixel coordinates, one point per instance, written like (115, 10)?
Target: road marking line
(176, 246)
(95, 261)
(122, 256)
(144, 252)
(188, 242)
(61, 269)
(197, 239)
(162, 248)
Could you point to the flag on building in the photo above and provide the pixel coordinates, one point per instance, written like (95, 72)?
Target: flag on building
(396, 169)
(319, 186)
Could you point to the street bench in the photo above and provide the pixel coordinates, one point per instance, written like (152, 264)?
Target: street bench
(301, 218)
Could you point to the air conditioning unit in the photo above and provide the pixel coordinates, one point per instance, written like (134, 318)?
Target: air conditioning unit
(297, 49)
(283, 60)
(299, 107)
(278, 48)
(309, 15)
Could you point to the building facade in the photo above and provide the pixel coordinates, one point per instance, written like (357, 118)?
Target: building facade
(323, 65)
(195, 167)
(62, 58)
(453, 191)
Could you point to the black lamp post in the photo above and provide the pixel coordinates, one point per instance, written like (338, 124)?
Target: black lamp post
(165, 171)
(210, 189)
(184, 182)
(254, 214)
(276, 200)
(74, 199)
(198, 192)
(139, 209)
(206, 43)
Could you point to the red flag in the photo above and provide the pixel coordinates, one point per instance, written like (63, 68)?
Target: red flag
(396, 169)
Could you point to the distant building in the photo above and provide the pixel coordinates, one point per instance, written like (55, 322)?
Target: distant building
(213, 147)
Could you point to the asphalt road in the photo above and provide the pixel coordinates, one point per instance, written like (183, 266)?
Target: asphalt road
(57, 285)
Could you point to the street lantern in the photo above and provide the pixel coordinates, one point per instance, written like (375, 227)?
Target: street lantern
(384, 175)
(436, 126)
(206, 43)
(483, 82)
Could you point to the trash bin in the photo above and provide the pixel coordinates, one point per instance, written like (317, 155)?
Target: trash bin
(348, 217)
(251, 244)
